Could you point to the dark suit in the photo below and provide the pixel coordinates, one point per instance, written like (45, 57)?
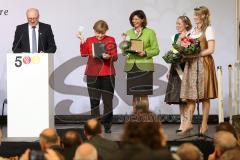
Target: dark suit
(105, 148)
(46, 41)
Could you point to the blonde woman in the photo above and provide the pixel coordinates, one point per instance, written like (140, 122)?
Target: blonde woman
(100, 72)
(201, 69)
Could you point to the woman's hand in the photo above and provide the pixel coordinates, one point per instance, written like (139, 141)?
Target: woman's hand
(81, 37)
(141, 53)
(105, 56)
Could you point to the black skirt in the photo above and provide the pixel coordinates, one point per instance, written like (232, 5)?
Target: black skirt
(139, 82)
(172, 95)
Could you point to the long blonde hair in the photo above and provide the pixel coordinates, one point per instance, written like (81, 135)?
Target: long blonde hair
(204, 15)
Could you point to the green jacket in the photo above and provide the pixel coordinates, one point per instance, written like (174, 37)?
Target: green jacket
(151, 48)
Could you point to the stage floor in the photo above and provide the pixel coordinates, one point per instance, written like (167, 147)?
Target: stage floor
(117, 130)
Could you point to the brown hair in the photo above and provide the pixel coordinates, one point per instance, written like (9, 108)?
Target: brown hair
(100, 26)
(186, 21)
(226, 126)
(140, 14)
(143, 128)
(204, 15)
(188, 151)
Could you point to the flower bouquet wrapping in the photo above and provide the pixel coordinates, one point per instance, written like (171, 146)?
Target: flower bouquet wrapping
(185, 49)
(188, 47)
(172, 56)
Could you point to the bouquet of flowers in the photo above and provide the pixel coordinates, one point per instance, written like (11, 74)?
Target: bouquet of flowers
(187, 47)
(173, 56)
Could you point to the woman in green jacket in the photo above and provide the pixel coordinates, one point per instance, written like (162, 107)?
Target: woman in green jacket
(139, 65)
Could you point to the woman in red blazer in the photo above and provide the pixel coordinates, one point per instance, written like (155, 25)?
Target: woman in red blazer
(100, 72)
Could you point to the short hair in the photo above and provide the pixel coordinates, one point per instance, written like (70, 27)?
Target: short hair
(71, 139)
(140, 14)
(49, 139)
(186, 21)
(100, 26)
(226, 126)
(232, 154)
(224, 140)
(86, 151)
(188, 151)
(92, 130)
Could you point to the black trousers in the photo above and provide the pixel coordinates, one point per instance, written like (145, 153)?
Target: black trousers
(101, 87)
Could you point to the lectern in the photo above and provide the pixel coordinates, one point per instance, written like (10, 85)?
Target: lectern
(30, 98)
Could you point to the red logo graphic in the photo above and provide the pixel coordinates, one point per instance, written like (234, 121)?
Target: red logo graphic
(26, 60)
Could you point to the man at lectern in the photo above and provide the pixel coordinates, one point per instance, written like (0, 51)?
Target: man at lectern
(34, 36)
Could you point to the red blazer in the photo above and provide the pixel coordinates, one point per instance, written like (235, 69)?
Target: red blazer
(99, 67)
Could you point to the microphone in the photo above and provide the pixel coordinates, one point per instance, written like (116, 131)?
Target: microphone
(17, 43)
(40, 38)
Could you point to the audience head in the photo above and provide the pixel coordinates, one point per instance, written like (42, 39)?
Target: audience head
(188, 151)
(86, 151)
(71, 139)
(92, 128)
(233, 154)
(32, 16)
(226, 126)
(224, 141)
(144, 128)
(48, 138)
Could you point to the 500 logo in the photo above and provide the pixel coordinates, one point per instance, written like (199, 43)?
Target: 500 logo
(24, 60)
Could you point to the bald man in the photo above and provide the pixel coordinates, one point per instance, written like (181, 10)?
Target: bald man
(188, 151)
(86, 151)
(34, 36)
(223, 141)
(105, 147)
(50, 139)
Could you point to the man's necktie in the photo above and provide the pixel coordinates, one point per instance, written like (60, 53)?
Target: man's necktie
(34, 40)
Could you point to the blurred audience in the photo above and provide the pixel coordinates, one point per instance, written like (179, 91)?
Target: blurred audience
(226, 126)
(105, 147)
(143, 138)
(188, 151)
(70, 141)
(223, 141)
(86, 151)
(49, 154)
(233, 154)
(50, 139)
